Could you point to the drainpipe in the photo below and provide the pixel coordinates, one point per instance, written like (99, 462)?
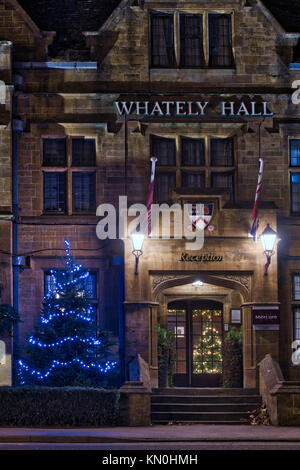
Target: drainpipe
(17, 128)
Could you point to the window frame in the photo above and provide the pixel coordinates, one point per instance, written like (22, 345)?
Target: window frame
(69, 169)
(295, 274)
(63, 171)
(153, 14)
(178, 168)
(181, 38)
(205, 39)
(292, 211)
(211, 15)
(94, 300)
(294, 308)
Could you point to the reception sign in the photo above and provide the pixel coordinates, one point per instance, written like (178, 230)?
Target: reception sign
(266, 317)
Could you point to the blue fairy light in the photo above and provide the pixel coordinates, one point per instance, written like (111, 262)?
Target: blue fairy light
(66, 305)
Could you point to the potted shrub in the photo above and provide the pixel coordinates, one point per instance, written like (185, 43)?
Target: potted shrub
(233, 359)
(166, 357)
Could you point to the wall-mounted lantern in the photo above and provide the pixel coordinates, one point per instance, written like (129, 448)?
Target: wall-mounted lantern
(137, 243)
(268, 240)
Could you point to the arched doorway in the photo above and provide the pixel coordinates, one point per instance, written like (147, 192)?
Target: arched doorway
(198, 328)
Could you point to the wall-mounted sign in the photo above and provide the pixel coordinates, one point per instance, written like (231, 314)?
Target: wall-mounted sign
(201, 258)
(190, 109)
(179, 331)
(236, 316)
(266, 317)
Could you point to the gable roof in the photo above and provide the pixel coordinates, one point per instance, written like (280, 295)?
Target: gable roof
(70, 18)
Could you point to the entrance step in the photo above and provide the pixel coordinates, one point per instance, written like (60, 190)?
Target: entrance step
(204, 391)
(203, 405)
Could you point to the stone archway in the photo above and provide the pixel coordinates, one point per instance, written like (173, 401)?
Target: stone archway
(236, 281)
(240, 282)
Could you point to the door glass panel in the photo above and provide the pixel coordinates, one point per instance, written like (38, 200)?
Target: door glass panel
(177, 324)
(207, 341)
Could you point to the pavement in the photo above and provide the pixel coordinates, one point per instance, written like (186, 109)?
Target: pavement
(197, 433)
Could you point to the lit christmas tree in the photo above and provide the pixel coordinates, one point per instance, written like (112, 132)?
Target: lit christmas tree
(68, 348)
(207, 354)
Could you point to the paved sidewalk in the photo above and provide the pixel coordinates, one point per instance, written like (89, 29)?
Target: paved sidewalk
(191, 433)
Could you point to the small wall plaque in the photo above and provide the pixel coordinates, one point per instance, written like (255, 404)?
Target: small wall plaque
(236, 316)
(179, 331)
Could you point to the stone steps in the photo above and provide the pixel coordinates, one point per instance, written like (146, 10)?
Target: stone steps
(207, 406)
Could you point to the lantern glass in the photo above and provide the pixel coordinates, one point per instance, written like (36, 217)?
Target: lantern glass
(268, 239)
(137, 241)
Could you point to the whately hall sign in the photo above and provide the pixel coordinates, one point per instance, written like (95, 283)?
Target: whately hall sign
(143, 109)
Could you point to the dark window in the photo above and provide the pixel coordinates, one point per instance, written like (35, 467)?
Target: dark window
(297, 324)
(164, 182)
(193, 180)
(55, 192)
(88, 284)
(83, 152)
(222, 152)
(220, 41)
(83, 192)
(223, 180)
(162, 40)
(193, 153)
(295, 192)
(296, 287)
(164, 150)
(191, 41)
(295, 152)
(54, 152)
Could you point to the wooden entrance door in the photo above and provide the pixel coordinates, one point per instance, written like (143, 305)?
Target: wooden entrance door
(198, 329)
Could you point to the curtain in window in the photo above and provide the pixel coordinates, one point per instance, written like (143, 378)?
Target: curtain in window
(162, 40)
(191, 41)
(83, 192)
(220, 43)
(192, 151)
(164, 150)
(164, 182)
(221, 151)
(83, 152)
(54, 152)
(295, 192)
(295, 152)
(55, 192)
(193, 180)
(223, 181)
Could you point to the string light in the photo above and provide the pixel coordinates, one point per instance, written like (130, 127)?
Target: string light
(207, 354)
(66, 287)
(108, 366)
(40, 344)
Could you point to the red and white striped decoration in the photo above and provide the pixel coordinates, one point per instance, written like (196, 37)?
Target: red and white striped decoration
(151, 194)
(255, 220)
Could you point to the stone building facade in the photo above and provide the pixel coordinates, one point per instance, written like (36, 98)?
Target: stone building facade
(208, 89)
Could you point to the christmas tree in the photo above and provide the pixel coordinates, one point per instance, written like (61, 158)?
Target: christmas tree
(67, 348)
(207, 354)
